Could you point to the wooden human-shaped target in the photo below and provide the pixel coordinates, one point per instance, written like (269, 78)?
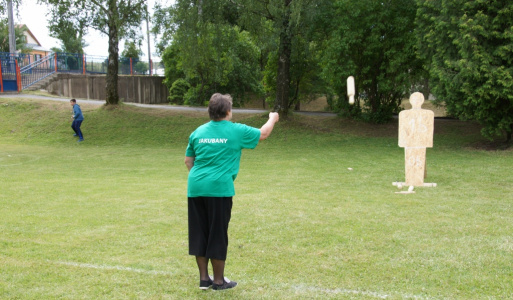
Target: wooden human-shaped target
(415, 135)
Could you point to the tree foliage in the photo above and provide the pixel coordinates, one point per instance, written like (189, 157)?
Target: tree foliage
(291, 73)
(469, 49)
(172, 64)
(374, 42)
(304, 48)
(4, 28)
(141, 67)
(178, 91)
(283, 29)
(3, 6)
(234, 42)
(300, 48)
(70, 32)
(208, 52)
(115, 18)
(132, 49)
(19, 37)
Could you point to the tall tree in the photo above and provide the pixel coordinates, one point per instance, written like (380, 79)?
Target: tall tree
(278, 30)
(133, 52)
(285, 29)
(291, 74)
(469, 47)
(290, 56)
(69, 31)
(373, 41)
(208, 49)
(132, 49)
(115, 18)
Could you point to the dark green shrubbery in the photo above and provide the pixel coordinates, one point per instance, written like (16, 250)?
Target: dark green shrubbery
(178, 90)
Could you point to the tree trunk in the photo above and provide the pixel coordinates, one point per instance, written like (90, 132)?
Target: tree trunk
(508, 134)
(426, 90)
(200, 8)
(112, 68)
(374, 101)
(281, 104)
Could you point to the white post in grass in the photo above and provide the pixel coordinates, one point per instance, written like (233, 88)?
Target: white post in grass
(350, 89)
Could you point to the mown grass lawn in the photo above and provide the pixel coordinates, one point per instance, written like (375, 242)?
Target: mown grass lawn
(106, 218)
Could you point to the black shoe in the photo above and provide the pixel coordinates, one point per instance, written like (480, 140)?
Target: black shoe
(227, 284)
(205, 284)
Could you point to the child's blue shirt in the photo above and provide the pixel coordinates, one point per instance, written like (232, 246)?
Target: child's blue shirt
(77, 113)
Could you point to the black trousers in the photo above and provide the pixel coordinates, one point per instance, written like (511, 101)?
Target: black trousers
(208, 226)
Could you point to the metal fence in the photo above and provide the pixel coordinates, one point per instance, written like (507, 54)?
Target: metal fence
(126, 65)
(23, 59)
(132, 66)
(96, 64)
(37, 71)
(9, 77)
(32, 72)
(8, 67)
(69, 62)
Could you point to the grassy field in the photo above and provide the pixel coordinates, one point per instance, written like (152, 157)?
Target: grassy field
(106, 218)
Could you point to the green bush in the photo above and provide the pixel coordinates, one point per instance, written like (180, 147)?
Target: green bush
(198, 95)
(141, 67)
(178, 91)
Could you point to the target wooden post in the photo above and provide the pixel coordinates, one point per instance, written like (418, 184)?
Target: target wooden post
(350, 89)
(416, 128)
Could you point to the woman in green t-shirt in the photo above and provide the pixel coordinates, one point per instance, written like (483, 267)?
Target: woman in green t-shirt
(213, 157)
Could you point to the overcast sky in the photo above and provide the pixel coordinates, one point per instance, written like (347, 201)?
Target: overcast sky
(34, 16)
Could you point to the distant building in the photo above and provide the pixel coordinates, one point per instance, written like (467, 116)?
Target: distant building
(37, 50)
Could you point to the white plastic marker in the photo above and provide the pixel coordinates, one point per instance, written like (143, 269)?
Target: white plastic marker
(350, 89)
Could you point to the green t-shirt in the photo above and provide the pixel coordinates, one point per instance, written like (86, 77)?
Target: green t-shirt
(217, 148)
